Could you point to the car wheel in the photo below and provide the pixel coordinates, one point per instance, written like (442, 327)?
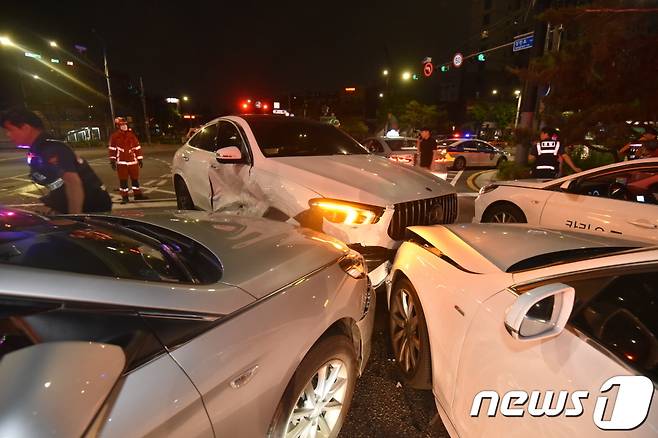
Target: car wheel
(504, 214)
(183, 198)
(459, 164)
(317, 399)
(409, 337)
(500, 161)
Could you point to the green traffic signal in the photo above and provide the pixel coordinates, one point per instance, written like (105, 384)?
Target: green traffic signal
(415, 77)
(444, 68)
(482, 57)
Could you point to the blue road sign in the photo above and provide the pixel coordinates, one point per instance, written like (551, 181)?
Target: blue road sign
(523, 43)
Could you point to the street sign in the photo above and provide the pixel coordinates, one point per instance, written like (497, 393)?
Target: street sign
(522, 42)
(458, 60)
(428, 69)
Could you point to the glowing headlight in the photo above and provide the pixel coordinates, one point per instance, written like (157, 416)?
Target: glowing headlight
(341, 212)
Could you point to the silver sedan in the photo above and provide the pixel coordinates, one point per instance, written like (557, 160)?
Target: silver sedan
(178, 324)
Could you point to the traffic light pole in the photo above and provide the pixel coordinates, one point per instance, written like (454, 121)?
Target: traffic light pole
(146, 119)
(528, 96)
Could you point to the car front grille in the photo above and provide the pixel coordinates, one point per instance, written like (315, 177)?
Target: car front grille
(422, 212)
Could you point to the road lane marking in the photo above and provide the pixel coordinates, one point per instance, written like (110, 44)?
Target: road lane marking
(456, 178)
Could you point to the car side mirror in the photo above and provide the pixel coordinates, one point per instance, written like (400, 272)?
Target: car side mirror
(540, 313)
(569, 186)
(56, 388)
(230, 154)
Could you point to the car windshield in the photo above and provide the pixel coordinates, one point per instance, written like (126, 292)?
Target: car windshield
(71, 246)
(399, 144)
(300, 138)
(559, 257)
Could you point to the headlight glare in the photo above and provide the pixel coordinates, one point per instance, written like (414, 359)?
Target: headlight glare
(341, 212)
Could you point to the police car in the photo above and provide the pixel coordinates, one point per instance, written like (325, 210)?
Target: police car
(468, 152)
(618, 200)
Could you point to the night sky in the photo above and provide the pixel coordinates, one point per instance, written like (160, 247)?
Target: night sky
(223, 51)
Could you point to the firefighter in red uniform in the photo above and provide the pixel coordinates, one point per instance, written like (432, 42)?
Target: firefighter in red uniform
(126, 158)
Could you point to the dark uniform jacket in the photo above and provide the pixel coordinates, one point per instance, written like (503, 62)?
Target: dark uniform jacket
(49, 160)
(547, 155)
(426, 149)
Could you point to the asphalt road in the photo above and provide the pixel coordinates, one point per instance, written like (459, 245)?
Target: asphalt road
(16, 189)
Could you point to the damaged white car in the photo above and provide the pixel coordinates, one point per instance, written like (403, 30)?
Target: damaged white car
(311, 174)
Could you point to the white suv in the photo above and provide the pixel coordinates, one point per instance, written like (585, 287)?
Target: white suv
(313, 174)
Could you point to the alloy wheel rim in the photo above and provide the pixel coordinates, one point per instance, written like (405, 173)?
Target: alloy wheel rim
(320, 403)
(503, 218)
(405, 333)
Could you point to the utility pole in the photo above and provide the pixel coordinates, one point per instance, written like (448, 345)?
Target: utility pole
(146, 119)
(109, 86)
(107, 78)
(528, 97)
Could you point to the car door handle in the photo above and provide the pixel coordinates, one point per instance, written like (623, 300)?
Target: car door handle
(643, 224)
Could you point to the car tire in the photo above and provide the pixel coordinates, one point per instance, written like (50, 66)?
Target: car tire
(459, 164)
(504, 214)
(183, 198)
(331, 354)
(409, 337)
(500, 161)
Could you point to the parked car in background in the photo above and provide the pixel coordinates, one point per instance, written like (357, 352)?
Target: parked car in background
(177, 324)
(398, 149)
(482, 312)
(466, 152)
(620, 199)
(311, 174)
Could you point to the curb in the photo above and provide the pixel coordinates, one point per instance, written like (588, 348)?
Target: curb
(470, 182)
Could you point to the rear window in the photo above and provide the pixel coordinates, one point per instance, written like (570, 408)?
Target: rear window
(559, 257)
(72, 247)
(100, 248)
(401, 144)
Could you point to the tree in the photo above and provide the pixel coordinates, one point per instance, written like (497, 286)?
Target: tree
(417, 115)
(500, 113)
(604, 73)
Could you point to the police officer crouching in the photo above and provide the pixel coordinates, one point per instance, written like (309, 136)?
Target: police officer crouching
(73, 186)
(546, 156)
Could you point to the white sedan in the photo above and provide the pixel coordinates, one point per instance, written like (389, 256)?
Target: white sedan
(619, 199)
(513, 321)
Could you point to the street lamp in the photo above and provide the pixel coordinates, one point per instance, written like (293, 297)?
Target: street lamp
(385, 72)
(6, 41)
(494, 92)
(517, 93)
(185, 98)
(35, 76)
(381, 95)
(406, 76)
(53, 44)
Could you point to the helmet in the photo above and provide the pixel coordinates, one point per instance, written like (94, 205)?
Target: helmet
(120, 121)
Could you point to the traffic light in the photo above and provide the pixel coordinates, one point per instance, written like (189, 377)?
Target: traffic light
(482, 57)
(444, 68)
(414, 77)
